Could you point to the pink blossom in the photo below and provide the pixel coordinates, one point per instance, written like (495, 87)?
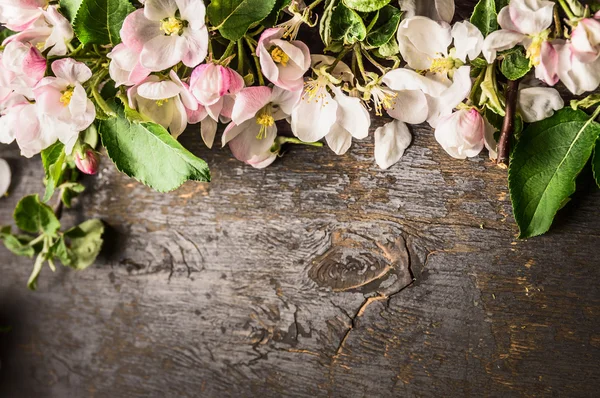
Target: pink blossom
(50, 30)
(214, 87)
(18, 15)
(63, 100)
(585, 40)
(547, 69)
(23, 123)
(464, 134)
(125, 67)
(87, 161)
(283, 62)
(167, 32)
(165, 101)
(22, 67)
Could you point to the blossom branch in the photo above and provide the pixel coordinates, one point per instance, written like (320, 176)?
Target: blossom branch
(512, 92)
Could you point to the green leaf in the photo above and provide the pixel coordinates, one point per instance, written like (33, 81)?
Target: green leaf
(389, 49)
(4, 33)
(515, 64)
(233, 18)
(596, 163)
(547, 159)
(586, 102)
(69, 8)
(99, 21)
(53, 159)
(17, 246)
(347, 25)
(35, 217)
(366, 5)
(325, 22)
(70, 190)
(85, 242)
(148, 153)
(385, 28)
(273, 17)
(485, 16)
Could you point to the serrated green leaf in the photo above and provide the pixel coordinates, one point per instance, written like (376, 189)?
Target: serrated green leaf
(546, 161)
(325, 22)
(99, 21)
(148, 153)
(586, 102)
(53, 160)
(273, 17)
(83, 246)
(69, 8)
(347, 25)
(233, 18)
(366, 5)
(485, 16)
(33, 216)
(515, 64)
(385, 28)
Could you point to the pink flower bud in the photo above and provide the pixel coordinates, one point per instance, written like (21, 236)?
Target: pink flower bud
(585, 40)
(461, 134)
(88, 161)
(210, 82)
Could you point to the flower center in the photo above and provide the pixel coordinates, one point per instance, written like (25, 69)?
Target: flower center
(265, 120)
(66, 96)
(171, 26)
(383, 98)
(279, 56)
(534, 50)
(444, 64)
(161, 102)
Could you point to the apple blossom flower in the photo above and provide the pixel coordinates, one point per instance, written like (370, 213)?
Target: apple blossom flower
(301, 14)
(585, 40)
(336, 118)
(424, 44)
(391, 140)
(22, 122)
(253, 130)
(166, 32)
(63, 100)
(50, 31)
(87, 160)
(438, 10)
(464, 134)
(579, 77)
(165, 101)
(284, 63)
(22, 67)
(214, 87)
(524, 22)
(125, 67)
(5, 177)
(18, 15)
(538, 103)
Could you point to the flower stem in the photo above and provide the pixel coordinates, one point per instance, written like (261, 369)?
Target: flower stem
(512, 91)
(314, 4)
(375, 63)
(228, 51)
(294, 140)
(359, 60)
(341, 55)
(261, 79)
(96, 94)
(241, 57)
(567, 9)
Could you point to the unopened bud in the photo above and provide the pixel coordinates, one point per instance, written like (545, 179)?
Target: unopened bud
(87, 161)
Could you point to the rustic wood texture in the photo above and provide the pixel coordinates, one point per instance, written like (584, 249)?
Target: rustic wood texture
(319, 276)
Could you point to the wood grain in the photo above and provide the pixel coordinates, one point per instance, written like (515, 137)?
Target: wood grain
(319, 276)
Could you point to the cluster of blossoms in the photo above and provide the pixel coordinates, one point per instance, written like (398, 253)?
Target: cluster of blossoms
(67, 77)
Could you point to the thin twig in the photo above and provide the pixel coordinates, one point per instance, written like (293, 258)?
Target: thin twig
(512, 91)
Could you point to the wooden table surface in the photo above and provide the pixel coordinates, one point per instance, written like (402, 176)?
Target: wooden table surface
(319, 276)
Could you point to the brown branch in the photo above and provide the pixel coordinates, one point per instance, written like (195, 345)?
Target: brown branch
(512, 91)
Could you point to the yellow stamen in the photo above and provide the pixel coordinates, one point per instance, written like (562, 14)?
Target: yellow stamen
(534, 51)
(383, 99)
(279, 56)
(171, 26)
(65, 98)
(265, 120)
(161, 102)
(444, 64)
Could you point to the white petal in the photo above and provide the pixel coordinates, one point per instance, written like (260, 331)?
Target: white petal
(352, 115)
(468, 40)
(156, 10)
(531, 16)
(406, 79)
(539, 103)
(192, 11)
(71, 70)
(158, 90)
(421, 40)
(312, 119)
(339, 139)
(498, 41)
(391, 141)
(411, 107)
(454, 95)
(5, 177)
(162, 52)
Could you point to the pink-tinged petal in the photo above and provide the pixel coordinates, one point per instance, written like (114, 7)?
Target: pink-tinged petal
(577, 76)
(157, 10)
(62, 32)
(498, 41)
(208, 130)
(250, 149)
(248, 102)
(196, 46)
(214, 110)
(547, 70)
(421, 40)
(205, 83)
(313, 118)
(231, 131)
(228, 104)
(233, 82)
(48, 100)
(268, 66)
(299, 56)
(585, 40)
(71, 70)
(197, 115)
(285, 101)
(531, 17)
(391, 141)
(137, 30)
(34, 64)
(78, 102)
(158, 90)
(410, 106)
(352, 115)
(339, 139)
(187, 98)
(268, 35)
(163, 52)
(505, 20)
(449, 99)
(461, 134)
(261, 164)
(538, 103)
(192, 11)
